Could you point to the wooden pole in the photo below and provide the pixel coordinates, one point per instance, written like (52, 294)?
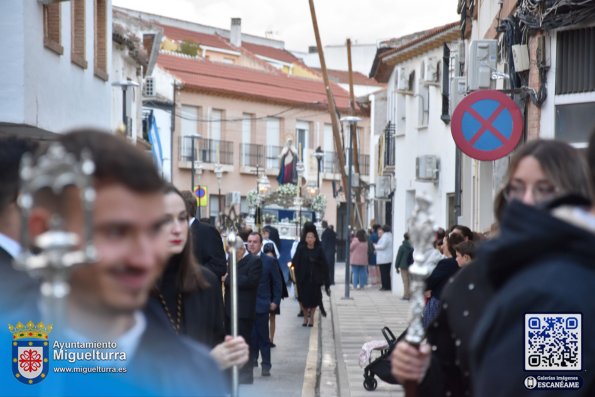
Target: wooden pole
(358, 198)
(331, 104)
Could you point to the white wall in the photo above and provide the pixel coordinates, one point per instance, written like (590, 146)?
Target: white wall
(435, 139)
(123, 69)
(59, 95)
(12, 69)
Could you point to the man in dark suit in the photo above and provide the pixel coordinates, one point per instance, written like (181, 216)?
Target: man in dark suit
(329, 246)
(249, 271)
(206, 240)
(17, 289)
(268, 297)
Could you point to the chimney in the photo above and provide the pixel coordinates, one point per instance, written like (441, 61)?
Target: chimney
(312, 49)
(235, 33)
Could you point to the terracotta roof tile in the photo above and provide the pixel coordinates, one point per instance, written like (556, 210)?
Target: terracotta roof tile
(270, 52)
(342, 77)
(210, 40)
(245, 82)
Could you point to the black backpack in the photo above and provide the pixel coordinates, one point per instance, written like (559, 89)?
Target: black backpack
(410, 258)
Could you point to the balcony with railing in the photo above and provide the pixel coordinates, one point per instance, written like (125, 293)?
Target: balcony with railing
(208, 151)
(364, 164)
(255, 155)
(389, 146)
(330, 164)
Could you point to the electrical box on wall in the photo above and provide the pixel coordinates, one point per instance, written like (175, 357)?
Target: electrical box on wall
(458, 90)
(232, 198)
(520, 56)
(483, 56)
(383, 186)
(427, 168)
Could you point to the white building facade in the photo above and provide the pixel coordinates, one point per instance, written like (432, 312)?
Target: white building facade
(56, 64)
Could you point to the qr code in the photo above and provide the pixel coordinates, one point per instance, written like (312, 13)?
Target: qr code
(553, 342)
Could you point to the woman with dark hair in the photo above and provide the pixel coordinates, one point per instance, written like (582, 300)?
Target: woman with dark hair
(358, 258)
(539, 172)
(436, 281)
(187, 295)
(311, 272)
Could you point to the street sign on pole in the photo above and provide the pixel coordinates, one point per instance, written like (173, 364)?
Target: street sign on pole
(202, 198)
(486, 125)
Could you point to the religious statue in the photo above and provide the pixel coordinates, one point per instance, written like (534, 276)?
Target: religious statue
(287, 164)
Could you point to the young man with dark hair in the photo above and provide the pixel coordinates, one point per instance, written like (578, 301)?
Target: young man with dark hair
(268, 298)
(107, 297)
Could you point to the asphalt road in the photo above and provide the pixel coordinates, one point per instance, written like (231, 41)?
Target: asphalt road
(288, 358)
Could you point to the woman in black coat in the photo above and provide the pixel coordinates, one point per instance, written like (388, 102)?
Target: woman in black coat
(188, 296)
(311, 272)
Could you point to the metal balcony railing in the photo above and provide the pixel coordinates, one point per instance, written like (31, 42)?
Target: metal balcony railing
(364, 164)
(252, 155)
(389, 144)
(330, 163)
(206, 150)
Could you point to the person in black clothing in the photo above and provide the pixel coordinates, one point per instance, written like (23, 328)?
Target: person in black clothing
(249, 271)
(311, 272)
(189, 295)
(540, 170)
(268, 298)
(207, 244)
(273, 232)
(443, 271)
(269, 250)
(329, 246)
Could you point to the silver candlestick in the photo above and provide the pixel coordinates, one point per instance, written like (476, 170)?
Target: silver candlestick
(421, 232)
(52, 255)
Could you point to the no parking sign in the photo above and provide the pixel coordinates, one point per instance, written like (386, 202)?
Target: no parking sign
(486, 125)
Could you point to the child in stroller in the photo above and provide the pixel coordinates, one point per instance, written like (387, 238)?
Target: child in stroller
(379, 366)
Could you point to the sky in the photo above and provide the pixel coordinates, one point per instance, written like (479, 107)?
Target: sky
(363, 21)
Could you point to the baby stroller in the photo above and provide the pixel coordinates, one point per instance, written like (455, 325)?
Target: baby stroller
(380, 366)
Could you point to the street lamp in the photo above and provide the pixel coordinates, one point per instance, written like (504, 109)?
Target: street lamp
(352, 120)
(124, 84)
(194, 137)
(299, 167)
(219, 175)
(319, 154)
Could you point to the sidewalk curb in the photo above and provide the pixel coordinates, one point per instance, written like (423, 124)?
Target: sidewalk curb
(341, 368)
(312, 370)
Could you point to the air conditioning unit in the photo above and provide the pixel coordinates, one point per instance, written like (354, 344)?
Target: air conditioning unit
(383, 186)
(427, 168)
(233, 198)
(483, 55)
(403, 82)
(149, 86)
(430, 72)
